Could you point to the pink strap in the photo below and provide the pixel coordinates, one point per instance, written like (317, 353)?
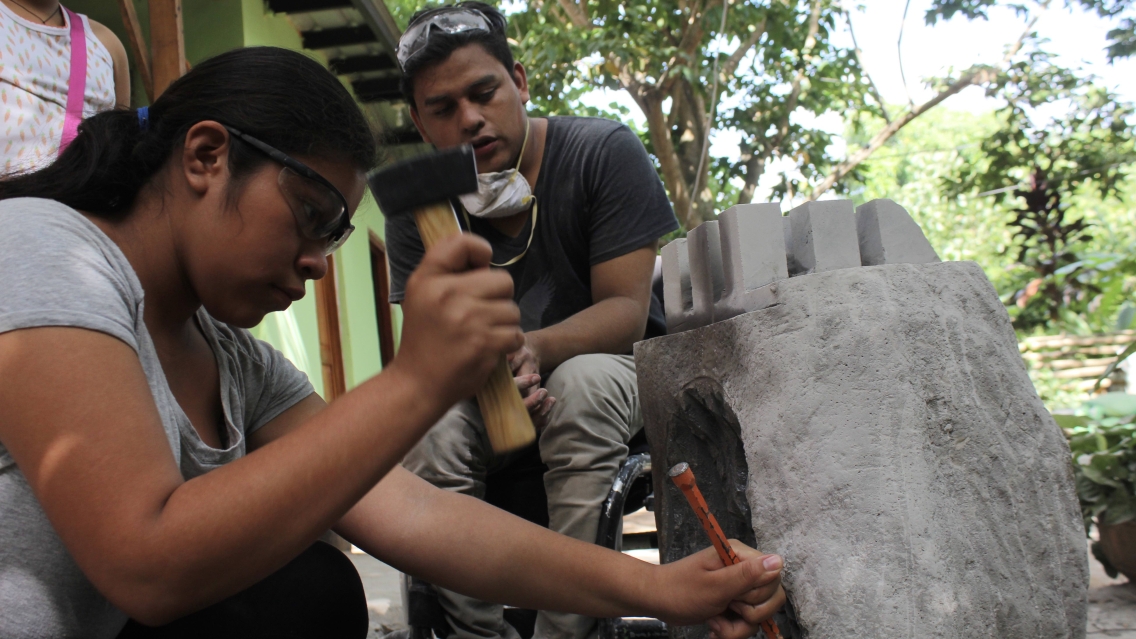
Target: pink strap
(77, 83)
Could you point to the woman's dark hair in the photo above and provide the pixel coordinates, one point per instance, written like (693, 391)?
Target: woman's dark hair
(279, 96)
(441, 45)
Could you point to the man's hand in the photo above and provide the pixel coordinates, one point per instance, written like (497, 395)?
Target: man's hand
(536, 399)
(526, 359)
(525, 363)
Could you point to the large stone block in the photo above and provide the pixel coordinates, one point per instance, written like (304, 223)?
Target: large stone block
(877, 428)
(824, 236)
(888, 235)
(753, 256)
(678, 298)
(704, 246)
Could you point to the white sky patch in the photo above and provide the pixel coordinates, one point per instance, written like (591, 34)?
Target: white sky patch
(1077, 37)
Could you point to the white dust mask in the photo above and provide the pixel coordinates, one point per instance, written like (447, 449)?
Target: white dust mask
(500, 194)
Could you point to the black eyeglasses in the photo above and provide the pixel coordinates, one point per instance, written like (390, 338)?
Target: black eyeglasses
(320, 209)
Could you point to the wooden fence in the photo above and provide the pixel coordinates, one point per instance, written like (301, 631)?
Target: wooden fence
(1078, 359)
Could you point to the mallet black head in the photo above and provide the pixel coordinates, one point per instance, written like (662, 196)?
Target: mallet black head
(425, 179)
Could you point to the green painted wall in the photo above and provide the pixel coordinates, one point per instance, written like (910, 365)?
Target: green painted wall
(296, 329)
(213, 27)
(264, 28)
(357, 315)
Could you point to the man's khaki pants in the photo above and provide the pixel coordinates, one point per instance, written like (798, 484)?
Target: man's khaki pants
(583, 444)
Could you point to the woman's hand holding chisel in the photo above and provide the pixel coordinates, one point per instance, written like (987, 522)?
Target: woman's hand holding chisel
(734, 600)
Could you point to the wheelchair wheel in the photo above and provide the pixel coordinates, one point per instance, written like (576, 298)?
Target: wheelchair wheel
(629, 492)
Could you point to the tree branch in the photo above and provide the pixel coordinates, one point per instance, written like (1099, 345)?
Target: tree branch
(692, 36)
(755, 166)
(845, 167)
(577, 15)
(707, 126)
(757, 162)
(795, 93)
(664, 150)
(687, 45)
(977, 75)
(899, 51)
(736, 57)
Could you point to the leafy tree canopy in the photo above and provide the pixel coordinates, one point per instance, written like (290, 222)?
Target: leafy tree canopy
(1061, 135)
(765, 69)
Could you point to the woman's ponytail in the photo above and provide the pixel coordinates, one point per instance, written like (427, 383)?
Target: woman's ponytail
(279, 96)
(97, 172)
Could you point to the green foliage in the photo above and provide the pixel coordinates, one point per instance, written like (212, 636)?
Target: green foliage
(1102, 438)
(401, 10)
(962, 225)
(1060, 135)
(1110, 280)
(773, 59)
(910, 169)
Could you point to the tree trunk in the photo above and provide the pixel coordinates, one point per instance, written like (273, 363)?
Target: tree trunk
(652, 105)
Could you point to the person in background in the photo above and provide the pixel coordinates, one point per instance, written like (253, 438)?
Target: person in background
(39, 71)
(574, 209)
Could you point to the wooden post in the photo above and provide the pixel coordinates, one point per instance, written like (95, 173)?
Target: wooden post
(381, 282)
(137, 45)
(331, 357)
(331, 346)
(167, 42)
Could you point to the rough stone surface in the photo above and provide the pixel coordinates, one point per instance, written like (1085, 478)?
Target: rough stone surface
(888, 235)
(753, 255)
(678, 301)
(824, 236)
(704, 248)
(889, 445)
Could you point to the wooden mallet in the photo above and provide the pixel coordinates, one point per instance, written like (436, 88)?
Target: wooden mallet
(424, 186)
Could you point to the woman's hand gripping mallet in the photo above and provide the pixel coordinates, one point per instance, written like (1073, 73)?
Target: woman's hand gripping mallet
(423, 185)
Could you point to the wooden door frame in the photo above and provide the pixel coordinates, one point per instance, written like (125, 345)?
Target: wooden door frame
(330, 340)
(380, 278)
(163, 60)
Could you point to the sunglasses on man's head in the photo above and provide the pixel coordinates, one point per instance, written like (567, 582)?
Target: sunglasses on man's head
(450, 20)
(320, 210)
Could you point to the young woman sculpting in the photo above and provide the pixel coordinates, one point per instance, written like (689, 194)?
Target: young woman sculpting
(158, 463)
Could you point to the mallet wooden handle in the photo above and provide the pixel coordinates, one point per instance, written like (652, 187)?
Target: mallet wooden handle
(683, 477)
(506, 419)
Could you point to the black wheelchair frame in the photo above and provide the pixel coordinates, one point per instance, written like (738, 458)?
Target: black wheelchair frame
(516, 491)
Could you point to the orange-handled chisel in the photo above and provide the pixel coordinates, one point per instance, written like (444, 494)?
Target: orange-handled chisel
(683, 477)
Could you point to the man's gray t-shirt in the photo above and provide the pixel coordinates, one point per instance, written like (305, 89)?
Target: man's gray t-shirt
(59, 269)
(598, 198)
